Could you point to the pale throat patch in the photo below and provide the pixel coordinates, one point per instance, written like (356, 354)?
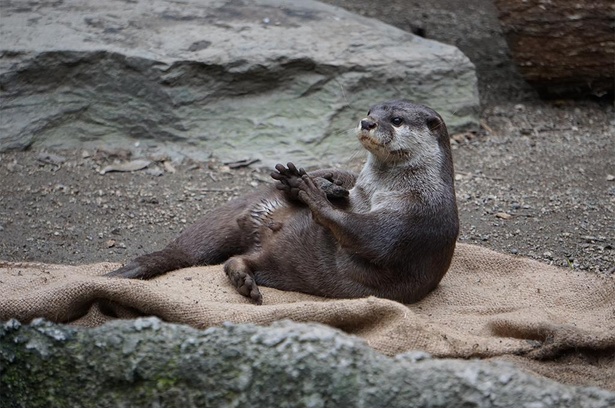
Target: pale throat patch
(422, 146)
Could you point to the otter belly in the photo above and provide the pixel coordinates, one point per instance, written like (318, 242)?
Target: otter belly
(268, 218)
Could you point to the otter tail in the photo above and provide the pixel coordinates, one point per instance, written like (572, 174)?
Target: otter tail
(154, 264)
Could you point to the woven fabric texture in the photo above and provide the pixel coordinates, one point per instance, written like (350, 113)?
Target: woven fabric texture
(555, 322)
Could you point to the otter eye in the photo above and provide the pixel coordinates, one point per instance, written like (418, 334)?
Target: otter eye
(396, 121)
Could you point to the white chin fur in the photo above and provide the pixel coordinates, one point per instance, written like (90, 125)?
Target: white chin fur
(414, 146)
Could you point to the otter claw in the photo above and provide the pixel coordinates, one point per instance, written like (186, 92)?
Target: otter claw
(294, 171)
(286, 172)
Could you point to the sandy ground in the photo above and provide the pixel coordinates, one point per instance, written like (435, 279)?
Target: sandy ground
(537, 180)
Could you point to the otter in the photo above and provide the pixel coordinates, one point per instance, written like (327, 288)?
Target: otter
(389, 231)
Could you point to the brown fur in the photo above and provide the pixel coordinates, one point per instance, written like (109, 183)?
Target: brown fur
(389, 231)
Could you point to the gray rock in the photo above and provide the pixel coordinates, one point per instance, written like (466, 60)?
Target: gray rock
(265, 79)
(146, 362)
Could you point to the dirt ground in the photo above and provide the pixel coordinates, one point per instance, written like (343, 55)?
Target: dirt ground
(537, 180)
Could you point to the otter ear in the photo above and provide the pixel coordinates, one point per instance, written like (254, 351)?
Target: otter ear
(434, 122)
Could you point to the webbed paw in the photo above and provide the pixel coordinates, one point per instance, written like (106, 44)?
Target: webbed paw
(289, 178)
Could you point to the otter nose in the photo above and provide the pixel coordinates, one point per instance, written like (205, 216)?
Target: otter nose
(367, 124)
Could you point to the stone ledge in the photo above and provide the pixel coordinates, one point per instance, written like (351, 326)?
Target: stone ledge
(146, 362)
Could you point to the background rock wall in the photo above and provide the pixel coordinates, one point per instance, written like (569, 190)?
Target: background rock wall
(262, 79)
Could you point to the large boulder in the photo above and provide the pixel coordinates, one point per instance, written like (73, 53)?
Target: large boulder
(266, 79)
(150, 363)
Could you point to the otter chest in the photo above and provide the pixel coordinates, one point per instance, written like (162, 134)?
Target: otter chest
(365, 201)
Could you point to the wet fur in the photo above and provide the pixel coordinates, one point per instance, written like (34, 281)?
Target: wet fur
(392, 234)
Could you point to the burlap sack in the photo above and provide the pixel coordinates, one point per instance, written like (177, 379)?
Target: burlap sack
(555, 322)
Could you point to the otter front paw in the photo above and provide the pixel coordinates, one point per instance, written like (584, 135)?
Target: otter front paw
(310, 193)
(331, 187)
(288, 179)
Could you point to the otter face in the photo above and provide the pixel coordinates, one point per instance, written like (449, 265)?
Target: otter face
(400, 131)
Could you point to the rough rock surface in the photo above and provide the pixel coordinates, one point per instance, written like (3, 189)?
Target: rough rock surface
(250, 78)
(146, 362)
(563, 48)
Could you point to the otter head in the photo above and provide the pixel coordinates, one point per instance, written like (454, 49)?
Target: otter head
(400, 131)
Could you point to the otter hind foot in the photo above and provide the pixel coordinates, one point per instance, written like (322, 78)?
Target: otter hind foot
(240, 274)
